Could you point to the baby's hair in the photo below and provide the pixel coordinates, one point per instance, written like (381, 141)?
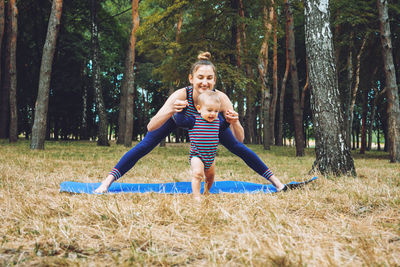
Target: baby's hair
(207, 97)
(202, 59)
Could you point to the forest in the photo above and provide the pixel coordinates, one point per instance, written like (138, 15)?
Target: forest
(99, 70)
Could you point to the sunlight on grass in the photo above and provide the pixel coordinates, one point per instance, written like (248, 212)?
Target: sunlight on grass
(343, 221)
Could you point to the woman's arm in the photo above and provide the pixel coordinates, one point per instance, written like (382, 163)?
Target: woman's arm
(231, 117)
(175, 103)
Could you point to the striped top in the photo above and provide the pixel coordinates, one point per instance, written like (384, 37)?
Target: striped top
(190, 109)
(204, 140)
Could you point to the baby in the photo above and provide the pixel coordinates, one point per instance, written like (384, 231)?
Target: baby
(204, 129)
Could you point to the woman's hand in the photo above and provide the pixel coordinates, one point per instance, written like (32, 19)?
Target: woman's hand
(179, 105)
(176, 102)
(231, 116)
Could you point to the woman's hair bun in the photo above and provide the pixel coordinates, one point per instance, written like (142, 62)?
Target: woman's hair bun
(204, 56)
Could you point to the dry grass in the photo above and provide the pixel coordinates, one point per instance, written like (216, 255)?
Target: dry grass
(332, 222)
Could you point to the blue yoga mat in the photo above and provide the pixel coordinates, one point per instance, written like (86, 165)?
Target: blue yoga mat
(173, 188)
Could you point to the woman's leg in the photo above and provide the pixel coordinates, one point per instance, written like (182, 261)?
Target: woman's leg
(227, 139)
(149, 142)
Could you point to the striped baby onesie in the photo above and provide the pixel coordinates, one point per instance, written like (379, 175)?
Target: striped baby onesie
(204, 140)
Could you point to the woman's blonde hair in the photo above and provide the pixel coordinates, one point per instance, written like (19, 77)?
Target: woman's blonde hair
(202, 59)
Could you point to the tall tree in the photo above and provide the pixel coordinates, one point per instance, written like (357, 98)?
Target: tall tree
(12, 69)
(393, 108)
(122, 99)
(279, 139)
(238, 44)
(353, 85)
(4, 94)
(274, 100)
(297, 114)
(249, 117)
(131, 76)
(96, 82)
(263, 72)
(42, 101)
(364, 114)
(332, 153)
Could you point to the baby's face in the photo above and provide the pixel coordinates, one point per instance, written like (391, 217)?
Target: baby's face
(209, 111)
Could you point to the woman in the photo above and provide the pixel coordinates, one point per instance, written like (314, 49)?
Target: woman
(202, 78)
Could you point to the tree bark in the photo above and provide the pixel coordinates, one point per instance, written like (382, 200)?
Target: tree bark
(84, 124)
(283, 86)
(12, 70)
(249, 117)
(351, 98)
(274, 73)
(332, 153)
(4, 96)
(129, 118)
(297, 115)
(393, 108)
(122, 100)
(238, 44)
(349, 92)
(4, 88)
(103, 123)
(42, 101)
(263, 72)
(364, 121)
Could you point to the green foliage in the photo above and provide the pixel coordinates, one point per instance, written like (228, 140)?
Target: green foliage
(163, 61)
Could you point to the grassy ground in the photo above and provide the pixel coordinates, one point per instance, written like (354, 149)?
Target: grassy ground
(332, 222)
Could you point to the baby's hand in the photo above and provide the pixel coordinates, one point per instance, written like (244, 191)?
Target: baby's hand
(231, 116)
(179, 105)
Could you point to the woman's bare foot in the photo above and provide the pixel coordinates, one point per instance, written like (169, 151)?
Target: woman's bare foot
(105, 184)
(275, 181)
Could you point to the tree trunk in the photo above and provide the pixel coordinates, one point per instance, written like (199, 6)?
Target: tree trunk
(393, 108)
(274, 74)
(297, 115)
(349, 110)
(122, 100)
(12, 70)
(364, 121)
(249, 117)
(378, 137)
(42, 101)
(237, 39)
(103, 123)
(84, 124)
(332, 153)
(4, 94)
(4, 83)
(263, 72)
(348, 92)
(302, 101)
(283, 88)
(129, 118)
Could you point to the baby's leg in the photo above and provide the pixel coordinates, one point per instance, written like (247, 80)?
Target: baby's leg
(210, 174)
(197, 168)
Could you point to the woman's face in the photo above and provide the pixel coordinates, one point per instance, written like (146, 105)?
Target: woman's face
(203, 79)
